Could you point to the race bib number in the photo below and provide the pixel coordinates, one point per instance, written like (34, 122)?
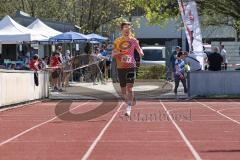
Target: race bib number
(126, 59)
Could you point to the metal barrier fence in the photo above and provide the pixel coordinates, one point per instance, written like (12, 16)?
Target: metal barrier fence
(204, 83)
(18, 86)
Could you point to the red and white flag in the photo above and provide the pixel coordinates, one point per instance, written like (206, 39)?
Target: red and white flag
(189, 14)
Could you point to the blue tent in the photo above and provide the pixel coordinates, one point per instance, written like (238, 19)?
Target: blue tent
(70, 37)
(96, 37)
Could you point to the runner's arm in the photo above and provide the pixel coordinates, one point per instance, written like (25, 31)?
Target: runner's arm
(115, 51)
(139, 49)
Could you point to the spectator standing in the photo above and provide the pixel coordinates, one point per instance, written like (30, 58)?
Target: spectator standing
(215, 60)
(173, 60)
(106, 62)
(60, 81)
(87, 48)
(25, 61)
(94, 69)
(179, 73)
(205, 58)
(56, 71)
(67, 63)
(192, 62)
(45, 62)
(59, 50)
(224, 56)
(34, 66)
(30, 52)
(34, 63)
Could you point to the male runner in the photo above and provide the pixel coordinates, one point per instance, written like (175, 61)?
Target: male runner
(123, 51)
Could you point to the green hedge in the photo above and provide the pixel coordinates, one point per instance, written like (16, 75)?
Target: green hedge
(151, 72)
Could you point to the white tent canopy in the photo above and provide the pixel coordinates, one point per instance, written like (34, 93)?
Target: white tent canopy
(39, 27)
(12, 33)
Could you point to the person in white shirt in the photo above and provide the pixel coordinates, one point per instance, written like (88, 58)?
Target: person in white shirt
(224, 55)
(95, 69)
(67, 57)
(67, 63)
(60, 59)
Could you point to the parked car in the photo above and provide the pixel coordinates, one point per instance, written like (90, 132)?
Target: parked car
(153, 55)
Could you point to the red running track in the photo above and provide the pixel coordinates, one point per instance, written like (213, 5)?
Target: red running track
(161, 130)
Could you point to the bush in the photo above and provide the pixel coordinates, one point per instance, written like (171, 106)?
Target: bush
(151, 72)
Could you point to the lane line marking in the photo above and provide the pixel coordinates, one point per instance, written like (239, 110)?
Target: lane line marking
(129, 141)
(19, 106)
(218, 112)
(38, 125)
(226, 109)
(93, 145)
(157, 131)
(187, 142)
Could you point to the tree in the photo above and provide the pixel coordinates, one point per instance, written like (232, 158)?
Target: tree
(94, 13)
(88, 14)
(8, 7)
(221, 12)
(159, 11)
(214, 12)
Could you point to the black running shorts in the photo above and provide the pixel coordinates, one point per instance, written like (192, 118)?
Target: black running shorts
(126, 75)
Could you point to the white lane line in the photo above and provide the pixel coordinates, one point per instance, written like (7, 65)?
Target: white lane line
(38, 125)
(187, 142)
(210, 120)
(128, 141)
(218, 112)
(20, 106)
(230, 100)
(157, 131)
(93, 145)
(214, 110)
(234, 102)
(226, 109)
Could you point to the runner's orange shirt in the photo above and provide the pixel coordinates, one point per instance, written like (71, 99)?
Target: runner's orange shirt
(126, 46)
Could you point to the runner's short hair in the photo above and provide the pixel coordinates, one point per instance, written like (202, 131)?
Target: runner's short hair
(125, 23)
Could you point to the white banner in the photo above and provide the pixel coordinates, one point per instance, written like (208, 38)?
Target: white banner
(191, 23)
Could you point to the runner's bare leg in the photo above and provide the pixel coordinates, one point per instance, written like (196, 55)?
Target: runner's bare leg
(124, 93)
(130, 94)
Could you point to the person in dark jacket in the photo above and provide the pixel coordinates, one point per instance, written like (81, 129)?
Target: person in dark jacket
(173, 60)
(179, 73)
(215, 60)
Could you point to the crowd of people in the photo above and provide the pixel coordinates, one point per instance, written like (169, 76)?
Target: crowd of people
(183, 62)
(61, 66)
(55, 65)
(100, 72)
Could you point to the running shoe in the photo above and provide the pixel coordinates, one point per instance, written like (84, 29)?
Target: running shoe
(128, 111)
